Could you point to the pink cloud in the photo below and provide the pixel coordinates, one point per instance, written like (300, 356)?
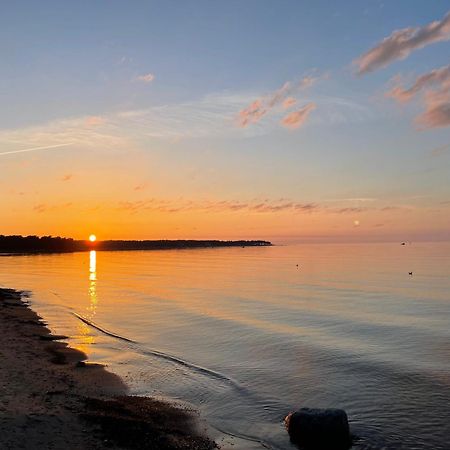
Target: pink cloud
(67, 177)
(290, 101)
(401, 43)
(437, 77)
(437, 110)
(435, 87)
(146, 78)
(297, 118)
(93, 121)
(252, 114)
(281, 97)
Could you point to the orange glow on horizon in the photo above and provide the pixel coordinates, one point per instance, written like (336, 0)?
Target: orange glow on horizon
(337, 223)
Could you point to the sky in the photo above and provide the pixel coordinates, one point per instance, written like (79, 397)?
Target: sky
(256, 119)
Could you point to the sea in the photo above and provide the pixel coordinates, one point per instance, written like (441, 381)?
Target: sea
(246, 335)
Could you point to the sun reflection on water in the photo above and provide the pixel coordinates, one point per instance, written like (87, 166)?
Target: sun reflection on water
(93, 265)
(86, 335)
(93, 300)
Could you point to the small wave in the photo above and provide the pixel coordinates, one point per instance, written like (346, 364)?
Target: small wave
(203, 370)
(199, 369)
(93, 325)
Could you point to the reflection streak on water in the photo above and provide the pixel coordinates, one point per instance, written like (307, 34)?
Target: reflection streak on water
(87, 337)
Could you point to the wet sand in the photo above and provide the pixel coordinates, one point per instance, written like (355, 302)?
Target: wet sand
(51, 398)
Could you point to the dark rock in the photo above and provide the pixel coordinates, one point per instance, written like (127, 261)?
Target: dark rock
(319, 429)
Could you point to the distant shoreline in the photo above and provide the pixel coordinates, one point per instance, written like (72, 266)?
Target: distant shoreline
(49, 244)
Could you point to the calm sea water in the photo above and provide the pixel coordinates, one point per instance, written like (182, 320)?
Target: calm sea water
(246, 336)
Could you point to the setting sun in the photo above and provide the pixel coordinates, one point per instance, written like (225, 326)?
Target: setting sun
(92, 237)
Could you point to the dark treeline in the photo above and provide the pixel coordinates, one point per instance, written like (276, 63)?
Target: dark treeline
(49, 244)
(44, 244)
(177, 244)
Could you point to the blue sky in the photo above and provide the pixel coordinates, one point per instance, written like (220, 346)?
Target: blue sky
(69, 53)
(73, 74)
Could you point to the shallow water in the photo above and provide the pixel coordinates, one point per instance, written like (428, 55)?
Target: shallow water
(246, 336)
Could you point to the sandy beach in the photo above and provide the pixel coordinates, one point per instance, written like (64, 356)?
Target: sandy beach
(51, 398)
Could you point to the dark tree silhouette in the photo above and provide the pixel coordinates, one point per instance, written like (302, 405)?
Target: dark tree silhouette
(49, 244)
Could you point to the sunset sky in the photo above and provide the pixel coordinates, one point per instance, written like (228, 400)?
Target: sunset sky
(304, 120)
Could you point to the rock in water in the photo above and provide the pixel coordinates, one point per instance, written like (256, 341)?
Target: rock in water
(319, 429)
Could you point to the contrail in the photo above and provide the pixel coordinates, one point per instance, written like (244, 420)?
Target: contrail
(47, 147)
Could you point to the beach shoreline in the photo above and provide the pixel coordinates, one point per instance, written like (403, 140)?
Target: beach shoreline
(51, 397)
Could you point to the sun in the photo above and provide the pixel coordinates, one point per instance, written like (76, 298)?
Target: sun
(92, 237)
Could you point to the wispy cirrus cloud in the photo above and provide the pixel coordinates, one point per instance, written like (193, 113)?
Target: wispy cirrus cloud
(45, 207)
(146, 77)
(434, 88)
(141, 187)
(256, 206)
(441, 150)
(218, 206)
(253, 206)
(297, 118)
(210, 116)
(80, 132)
(401, 43)
(353, 199)
(282, 97)
(351, 210)
(213, 116)
(170, 206)
(33, 149)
